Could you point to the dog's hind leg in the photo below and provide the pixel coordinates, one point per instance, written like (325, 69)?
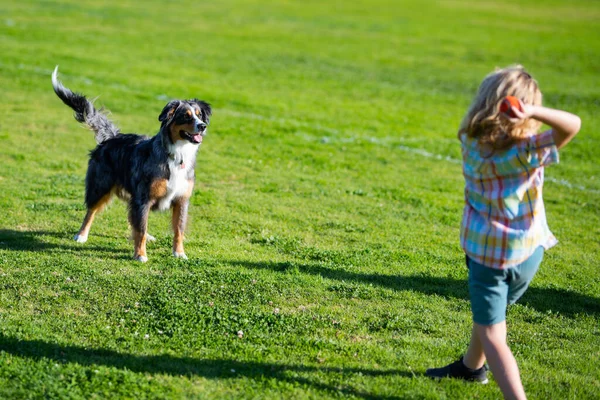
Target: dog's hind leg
(99, 189)
(84, 231)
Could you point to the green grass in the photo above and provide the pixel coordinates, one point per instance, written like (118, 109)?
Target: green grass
(324, 223)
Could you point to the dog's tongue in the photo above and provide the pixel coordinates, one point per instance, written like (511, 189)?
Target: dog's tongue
(197, 138)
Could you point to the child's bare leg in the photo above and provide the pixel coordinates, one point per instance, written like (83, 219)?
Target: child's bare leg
(501, 360)
(474, 358)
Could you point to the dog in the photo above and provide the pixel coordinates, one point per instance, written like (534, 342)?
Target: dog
(150, 173)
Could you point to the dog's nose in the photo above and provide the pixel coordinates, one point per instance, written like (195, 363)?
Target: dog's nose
(201, 126)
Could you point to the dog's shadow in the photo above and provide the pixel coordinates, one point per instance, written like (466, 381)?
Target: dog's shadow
(544, 299)
(563, 301)
(50, 241)
(303, 375)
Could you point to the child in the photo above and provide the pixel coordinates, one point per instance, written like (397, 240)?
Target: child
(504, 231)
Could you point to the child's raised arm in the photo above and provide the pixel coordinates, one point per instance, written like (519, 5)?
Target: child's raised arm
(564, 124)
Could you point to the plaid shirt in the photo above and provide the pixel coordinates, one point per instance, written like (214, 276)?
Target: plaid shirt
(504, 219)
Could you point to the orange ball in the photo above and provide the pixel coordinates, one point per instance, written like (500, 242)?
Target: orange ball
(507, 103)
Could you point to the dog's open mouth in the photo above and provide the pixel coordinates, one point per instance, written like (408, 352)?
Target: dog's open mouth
(192, 137)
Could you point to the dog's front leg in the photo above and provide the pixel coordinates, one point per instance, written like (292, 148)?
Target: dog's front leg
(180, 210)
(138, 218)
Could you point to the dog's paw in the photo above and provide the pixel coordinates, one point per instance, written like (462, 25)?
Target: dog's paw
(80, 238)
(141, 258)
(179, 255)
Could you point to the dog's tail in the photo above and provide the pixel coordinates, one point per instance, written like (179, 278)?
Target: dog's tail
(85, 111)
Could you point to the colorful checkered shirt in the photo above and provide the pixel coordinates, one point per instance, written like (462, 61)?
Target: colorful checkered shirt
(504, 220)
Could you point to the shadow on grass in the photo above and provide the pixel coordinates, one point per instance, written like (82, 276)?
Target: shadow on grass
(186, 366)
(542, 299)
(36, 241)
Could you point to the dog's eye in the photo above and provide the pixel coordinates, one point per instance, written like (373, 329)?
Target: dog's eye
(198, 112)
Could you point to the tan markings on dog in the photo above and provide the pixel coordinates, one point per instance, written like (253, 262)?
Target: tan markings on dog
(189, 113)
(91, 213)
(139, 240)
(175, 136)
(171, 112)
(188, 193)
(178, 222)
(158, 189)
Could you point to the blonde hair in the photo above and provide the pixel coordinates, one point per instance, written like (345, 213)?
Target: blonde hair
(482, 121)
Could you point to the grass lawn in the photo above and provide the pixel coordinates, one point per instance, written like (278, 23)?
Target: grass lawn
(324, 223)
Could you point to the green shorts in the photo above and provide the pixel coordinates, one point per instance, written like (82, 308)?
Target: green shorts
(492, 290)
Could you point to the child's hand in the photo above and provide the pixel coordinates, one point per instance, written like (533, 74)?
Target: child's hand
(516, 115)
(564, 125)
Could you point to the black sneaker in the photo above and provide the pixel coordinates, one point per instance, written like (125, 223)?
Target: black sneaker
(459, 370)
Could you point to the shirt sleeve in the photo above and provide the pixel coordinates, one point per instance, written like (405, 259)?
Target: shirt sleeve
(541, 149)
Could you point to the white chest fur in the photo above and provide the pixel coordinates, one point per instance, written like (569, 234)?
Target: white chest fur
(184, 156)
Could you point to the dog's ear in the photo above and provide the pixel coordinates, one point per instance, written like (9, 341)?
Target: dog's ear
(205, 108)
(169, 110)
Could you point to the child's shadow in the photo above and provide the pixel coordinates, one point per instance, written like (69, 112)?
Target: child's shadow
(294, 374)
(46, 241)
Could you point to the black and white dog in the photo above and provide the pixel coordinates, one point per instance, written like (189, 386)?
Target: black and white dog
(149, 173)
